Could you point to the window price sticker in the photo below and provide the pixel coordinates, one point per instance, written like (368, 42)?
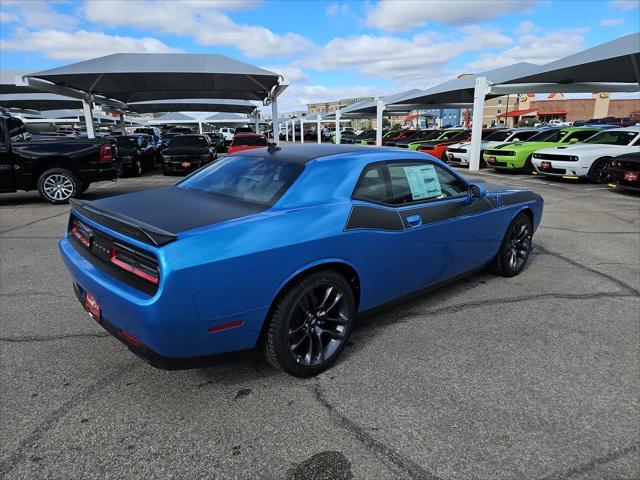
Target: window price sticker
(423, 181)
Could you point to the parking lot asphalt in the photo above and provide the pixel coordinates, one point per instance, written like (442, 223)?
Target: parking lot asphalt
(533, 377)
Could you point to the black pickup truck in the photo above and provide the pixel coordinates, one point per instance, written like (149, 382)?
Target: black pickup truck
(59, 168)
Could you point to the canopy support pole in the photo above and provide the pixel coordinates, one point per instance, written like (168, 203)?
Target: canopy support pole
(88, 119)
(479, 93)
(122, 124)
(275, 121)
(318, 117)
(293, 130)
(301, 129)
(257, 123)
(286, 130)
(337, 126)
(199, 127)
(379, 111)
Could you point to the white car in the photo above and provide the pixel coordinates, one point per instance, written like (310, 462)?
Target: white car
(458, 153)
(227, 133)
(590, 158)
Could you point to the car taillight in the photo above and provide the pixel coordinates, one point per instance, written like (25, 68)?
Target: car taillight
(106, 153)
(81, 232)
(137, 263)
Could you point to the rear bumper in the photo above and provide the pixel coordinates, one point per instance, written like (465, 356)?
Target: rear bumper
(110, 171)
(167, 324)
(176, 167)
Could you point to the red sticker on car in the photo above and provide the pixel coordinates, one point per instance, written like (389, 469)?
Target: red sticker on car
(186, 164)
(545, 165)
(491, 160)
(630, 176)
(92, 306)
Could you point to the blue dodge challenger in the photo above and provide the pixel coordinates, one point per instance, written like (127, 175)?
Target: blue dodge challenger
(282, 247)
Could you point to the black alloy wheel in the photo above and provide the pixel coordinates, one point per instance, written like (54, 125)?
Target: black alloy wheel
(310, 324)
(515, 248)
(599, 171)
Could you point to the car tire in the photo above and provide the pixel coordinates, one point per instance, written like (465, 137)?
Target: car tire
(515, 247)
(84, 186)
(598, 173)
(528, 165)
(302, 336)
(58, 185)
(137, 168)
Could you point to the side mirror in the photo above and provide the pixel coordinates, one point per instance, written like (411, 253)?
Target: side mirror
(476, 192)
(574, 140)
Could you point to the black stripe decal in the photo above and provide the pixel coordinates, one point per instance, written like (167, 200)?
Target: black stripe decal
(373, 218)
(445, 211)
(519, 197)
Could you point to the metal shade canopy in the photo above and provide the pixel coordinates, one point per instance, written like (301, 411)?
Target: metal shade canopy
(370, 106)
(617, 61)
(173, 117)
(460, 90)
(226, 117)
(8, 82)
(138, 77)
(193, 105)
(38, 101)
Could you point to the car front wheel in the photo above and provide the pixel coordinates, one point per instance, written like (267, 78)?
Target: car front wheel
(515, 248)
(599, 171)
(58, 185)
(310, 323)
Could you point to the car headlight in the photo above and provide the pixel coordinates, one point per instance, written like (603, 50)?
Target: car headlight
(166, 157)
(573, 159)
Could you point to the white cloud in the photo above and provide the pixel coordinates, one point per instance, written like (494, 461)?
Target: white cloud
(7, 17)
(337, 9)
(403, 15)
(612, 22)
(290, 73)
(625, 5)
(205, 22)
(414, 61)
(37, 14)
(80, 45)
(534, 48)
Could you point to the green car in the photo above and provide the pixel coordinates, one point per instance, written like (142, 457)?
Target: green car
(390, 133)
(442, 136)
(517, 156)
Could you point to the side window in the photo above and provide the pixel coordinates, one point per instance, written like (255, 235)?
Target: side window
(582, 135)
(371, 185)
(2, 141)
(416, 182)
(17, 130)
(525, 135)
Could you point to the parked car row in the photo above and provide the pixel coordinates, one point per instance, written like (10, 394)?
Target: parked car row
(574, 152)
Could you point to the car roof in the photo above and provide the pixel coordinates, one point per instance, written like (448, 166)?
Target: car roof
(301, 154)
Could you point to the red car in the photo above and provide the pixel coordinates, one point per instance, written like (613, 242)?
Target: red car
(247, 141)
(439, 149)
(402, 135)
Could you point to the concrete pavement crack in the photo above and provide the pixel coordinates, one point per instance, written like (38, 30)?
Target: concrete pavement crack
(388, 455)
(501, 301)
(582, 231)
(30, 441)
(33, 222)
(593, 464)
(53, 337)
(623, 285)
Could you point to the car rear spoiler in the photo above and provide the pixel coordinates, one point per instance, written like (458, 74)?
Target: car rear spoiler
(122, 224)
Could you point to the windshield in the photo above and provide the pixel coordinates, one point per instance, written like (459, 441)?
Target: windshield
(498, 136)
(455, 135)
(428, 134)
(548, 136)
(188, 141)
(251, 141)
(254, 179)
(613, 137)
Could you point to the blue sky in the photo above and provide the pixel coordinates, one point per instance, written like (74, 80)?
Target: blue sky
(326, 50)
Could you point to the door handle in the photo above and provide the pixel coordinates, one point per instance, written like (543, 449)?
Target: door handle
(414, 220)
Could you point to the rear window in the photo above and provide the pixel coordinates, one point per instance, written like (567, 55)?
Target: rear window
(188, 141)
(250, 141)
(252, 179)
(126, 142)
(548, 136)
